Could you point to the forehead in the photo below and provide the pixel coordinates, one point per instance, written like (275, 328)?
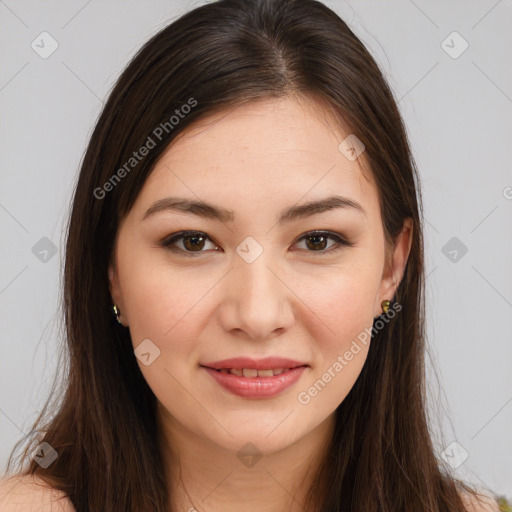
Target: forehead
(268, 151)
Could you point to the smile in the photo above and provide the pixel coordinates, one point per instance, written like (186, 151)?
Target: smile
(253, 383)
(252, 372)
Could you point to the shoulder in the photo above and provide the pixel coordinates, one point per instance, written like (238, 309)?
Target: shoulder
(484, 503)
(25, 492)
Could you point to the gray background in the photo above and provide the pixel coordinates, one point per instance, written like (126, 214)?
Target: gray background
(457, 112)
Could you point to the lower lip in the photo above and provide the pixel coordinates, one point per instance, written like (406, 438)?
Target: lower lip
(256, 387)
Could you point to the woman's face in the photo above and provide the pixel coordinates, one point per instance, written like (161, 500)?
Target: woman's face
(253, 280)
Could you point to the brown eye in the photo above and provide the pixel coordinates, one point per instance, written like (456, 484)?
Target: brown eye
(194, 242)
(191, 242)
(317, 241)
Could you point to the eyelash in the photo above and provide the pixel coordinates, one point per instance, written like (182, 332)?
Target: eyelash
(169, 242)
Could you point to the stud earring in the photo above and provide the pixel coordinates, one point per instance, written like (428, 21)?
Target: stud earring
(385, 305)
(116, 313)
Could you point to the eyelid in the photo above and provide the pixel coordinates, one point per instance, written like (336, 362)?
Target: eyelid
(340, 239)
(169, 240)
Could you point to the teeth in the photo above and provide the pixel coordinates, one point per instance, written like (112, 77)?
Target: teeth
(265, 373)
(251, 372)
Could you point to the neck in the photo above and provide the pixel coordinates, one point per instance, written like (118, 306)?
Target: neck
(205, 476)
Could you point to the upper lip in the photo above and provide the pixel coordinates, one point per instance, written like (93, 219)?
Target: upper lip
(268, 363)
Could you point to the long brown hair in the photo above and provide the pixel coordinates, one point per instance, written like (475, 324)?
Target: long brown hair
(104, 424)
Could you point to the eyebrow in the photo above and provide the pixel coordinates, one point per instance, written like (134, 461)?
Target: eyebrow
(210, 211)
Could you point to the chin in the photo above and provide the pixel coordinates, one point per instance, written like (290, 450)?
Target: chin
(268, 437)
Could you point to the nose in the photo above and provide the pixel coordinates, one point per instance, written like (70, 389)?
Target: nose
(256, 302)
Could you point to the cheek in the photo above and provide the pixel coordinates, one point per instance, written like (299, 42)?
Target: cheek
(159, 299)
(344, 303)
(165, 307)
(342, 337)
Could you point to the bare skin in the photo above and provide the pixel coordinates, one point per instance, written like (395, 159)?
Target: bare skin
(20, 493)
(299, 300)
(257, 161)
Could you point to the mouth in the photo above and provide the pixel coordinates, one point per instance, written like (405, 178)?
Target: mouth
(249, 367)
(252, 378)
(253, 372)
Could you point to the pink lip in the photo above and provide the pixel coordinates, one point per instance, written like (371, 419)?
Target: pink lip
(257, 387)
(268, 363)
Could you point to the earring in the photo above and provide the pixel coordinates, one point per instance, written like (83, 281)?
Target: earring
(385, 305)
(116, 313)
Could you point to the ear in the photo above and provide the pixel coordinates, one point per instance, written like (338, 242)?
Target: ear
(115, 292)
(394, 266)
